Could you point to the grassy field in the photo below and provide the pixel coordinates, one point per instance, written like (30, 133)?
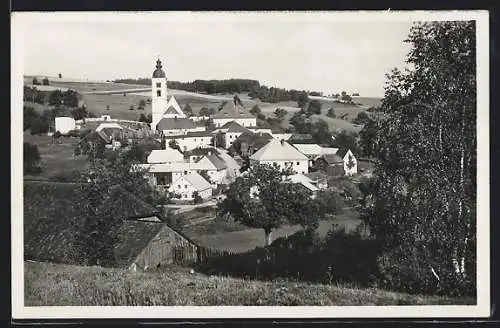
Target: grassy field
(238, 238)
(56, 158)
(65, 285)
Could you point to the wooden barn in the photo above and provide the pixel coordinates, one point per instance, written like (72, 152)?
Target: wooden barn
(145, 240)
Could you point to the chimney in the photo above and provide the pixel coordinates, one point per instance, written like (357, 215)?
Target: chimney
(282, 142)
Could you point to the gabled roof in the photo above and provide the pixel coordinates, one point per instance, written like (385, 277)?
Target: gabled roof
(342, 152)
(217, 161)
(191, 134)
(308, 149)
(233, 126)
(173, 109)
(109, 126)
(168, 155)
(104, 136)
(278, 150)
(328, 150)
(230, 110)
(250, 137)
(332, 158)
(175, 123)
(51, 213)
(196, 180)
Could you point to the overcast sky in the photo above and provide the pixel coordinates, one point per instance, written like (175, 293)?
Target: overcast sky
(312, 52)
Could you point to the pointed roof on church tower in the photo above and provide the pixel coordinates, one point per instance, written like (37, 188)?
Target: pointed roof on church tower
(159, 72)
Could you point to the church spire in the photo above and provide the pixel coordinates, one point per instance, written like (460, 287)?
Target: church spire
(159, 72)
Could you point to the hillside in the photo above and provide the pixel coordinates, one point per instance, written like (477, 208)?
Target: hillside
(49, 284)
(119, 104)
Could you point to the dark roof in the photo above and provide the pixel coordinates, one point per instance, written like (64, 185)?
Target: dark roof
(300, 137)
(191, 134)
(342, 151)
(158, 72)
(175, 123)
(217, 161)
(332, 158)
(104, 136)
(200, 151)
(51, 213)
(233, 126)
(230, 110)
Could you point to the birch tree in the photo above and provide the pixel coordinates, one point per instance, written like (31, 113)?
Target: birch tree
(424, 193)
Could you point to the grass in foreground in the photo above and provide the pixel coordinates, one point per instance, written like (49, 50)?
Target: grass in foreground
(61, 285)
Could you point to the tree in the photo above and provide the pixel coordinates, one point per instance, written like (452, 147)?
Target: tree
(29, 115)
(346, 140)
(142, 104)
(56, 137)
(107, 107)
(70, 98)
(280, 113)
(45, 81)
(204, 111)
(90, 145)
(424, 193)
(362, 118)
(143, 118)
(345, 97)
(369, 138)
(197, 198)
(255, 110)
(39, 126)
(261, 199)
(31, 159)
(100, 200)
(314, 107)
(331, 113)
(35, 81)
(188, 110)
(56, 98)
(80, 113)
(173, 144)
(302, 99)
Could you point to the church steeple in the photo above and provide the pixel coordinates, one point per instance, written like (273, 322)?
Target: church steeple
(159, 72)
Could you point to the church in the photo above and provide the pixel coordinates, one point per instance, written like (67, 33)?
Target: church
(167, 116)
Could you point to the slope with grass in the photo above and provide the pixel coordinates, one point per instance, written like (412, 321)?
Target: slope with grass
(49, 284)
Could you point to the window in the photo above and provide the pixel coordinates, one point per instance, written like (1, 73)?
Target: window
(194, 139)
(158, 84)
(185, 186)
(298, 163)
(158, 93)
(179, 186)
(185, 172)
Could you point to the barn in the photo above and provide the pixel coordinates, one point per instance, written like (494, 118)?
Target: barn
(145, 240)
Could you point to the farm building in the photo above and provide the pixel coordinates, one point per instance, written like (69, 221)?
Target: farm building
(64, 124)
(231, 112)
(144, 239)
(192, 140)
(188, 184)
(282, 155)
(343, 162)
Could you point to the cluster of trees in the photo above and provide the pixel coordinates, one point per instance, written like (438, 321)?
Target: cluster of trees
(67, 98)
(45, 81)
(205, 111)
(146, 119)
(422, 201)
(41, 123)
(31, 94)
(361, 119)
(319, 130)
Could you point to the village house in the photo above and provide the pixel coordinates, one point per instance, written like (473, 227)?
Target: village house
(186, 186)
(234, 112)
(167, 155)
(304, 182)
(249, 142)
(313, 151)
(196, 154)
(215, 168)
(343, 162)
(145, 240)
(282, 155)
(192, 140)
(231, 131)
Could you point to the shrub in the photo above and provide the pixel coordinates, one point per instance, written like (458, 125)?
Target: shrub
(31, 159)
(38, 126)
(197, 198)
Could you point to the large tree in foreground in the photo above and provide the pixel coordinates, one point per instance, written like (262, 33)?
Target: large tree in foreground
(262, 199)
(424, 193)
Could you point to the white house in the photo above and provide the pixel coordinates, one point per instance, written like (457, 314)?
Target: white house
(281, 154)
(232, 112)
(192, 140)
(167, 156)
(215, 167)
(186, 185)
(350, 161)
(65, 124)
(232, 130)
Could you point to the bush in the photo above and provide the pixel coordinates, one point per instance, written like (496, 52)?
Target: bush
(197, 198)
(31, 159)
(38, 126)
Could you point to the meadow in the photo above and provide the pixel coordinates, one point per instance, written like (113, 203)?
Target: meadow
(119, 104)
(48, 284)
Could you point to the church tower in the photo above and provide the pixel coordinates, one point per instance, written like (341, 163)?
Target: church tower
(159, 94)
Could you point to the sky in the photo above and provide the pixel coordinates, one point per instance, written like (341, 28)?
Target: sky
(326, 53)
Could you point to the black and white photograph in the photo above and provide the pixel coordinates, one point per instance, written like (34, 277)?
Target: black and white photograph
(250, 164)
